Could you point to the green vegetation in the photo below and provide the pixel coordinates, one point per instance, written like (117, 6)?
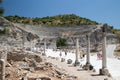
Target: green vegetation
(5, 31)
(0, 1)
(59, 20)
(1, 9)
(61, 42)
(117, 32)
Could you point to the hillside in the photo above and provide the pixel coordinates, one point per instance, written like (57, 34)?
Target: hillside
(26, 64)
(71, 24)
(10, 32)
(117, 32)
(59, 20)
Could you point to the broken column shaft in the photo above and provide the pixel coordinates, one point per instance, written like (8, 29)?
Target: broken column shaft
(2, 63)
(44, 53)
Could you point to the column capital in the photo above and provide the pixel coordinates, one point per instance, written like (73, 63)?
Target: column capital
(88, 35)
(104, 34)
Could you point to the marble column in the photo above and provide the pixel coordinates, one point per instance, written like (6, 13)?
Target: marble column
(104, 70)
(4, 55)
(55, 46)
(88, 65)
(77, 52)
(2, 63)
(23, 39)
(104, 62)
(31, 45)
(35, 49)
(6, 52)
(23, 45)
(88, 49)
(45, 46)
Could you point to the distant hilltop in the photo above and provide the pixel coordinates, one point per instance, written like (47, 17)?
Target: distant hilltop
(66, 20)
(59, 20)
(10, 32)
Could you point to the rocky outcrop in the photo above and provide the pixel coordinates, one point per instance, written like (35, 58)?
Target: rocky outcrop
(24, 33)
(16, 32)
(68, 32)
(20, 55)
(31, 66)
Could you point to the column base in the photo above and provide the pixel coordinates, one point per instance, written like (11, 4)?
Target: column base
(104, 71)
(87, 66)
(43, 54)
(77, 63)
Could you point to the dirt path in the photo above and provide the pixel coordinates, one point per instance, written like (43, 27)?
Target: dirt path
(77, 71)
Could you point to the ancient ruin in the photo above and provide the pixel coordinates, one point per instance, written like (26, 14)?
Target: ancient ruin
(24, 55)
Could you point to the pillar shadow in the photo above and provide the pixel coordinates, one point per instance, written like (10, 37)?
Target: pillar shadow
(71, 65)
(96, 75)
(80, 70)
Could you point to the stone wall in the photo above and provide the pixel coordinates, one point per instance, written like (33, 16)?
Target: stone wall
(21, 55)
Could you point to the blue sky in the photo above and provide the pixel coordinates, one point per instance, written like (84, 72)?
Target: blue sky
(102, 11)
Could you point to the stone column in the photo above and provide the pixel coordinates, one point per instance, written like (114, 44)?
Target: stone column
(34, 47)
(55, 44)
(23, 39)
(104, 70)
(44, 47)
(77, 52)
(31, 45)
(4, 53)
(88, 49)
(88, 66)
(104, 62)
(23, 42)
(2, 63)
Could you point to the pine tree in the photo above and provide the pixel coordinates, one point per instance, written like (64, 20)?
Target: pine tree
(1, 9)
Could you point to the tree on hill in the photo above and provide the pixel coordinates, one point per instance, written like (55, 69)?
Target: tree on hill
(61, 42)
(59, 20)
(5, 31)
(1, 9)
(117, 32)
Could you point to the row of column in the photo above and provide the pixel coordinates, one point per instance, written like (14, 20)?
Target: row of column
(88, 65)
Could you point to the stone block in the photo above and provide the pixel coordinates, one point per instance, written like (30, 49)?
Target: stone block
(88, 67)
(69, 61)
(62, 59)
(104, 72)
(77, 63)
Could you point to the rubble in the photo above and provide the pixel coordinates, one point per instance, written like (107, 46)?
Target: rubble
(22, 65)
(22, 56)
(27, 65)
(69, 61)
(62, 60)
